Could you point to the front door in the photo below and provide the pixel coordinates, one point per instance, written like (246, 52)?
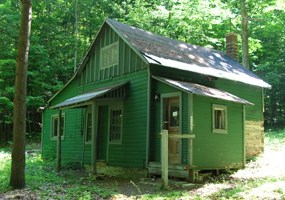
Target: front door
(172, 124)
(102, 132)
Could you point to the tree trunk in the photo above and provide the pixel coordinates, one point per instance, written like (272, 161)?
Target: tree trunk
(244, 35)
(17, 179)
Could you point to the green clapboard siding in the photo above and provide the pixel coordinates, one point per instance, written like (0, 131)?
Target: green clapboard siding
(214, 150)
(247, 92)
(72, 143)
(132, 151)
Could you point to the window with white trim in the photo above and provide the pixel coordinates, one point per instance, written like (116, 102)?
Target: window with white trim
(116, 115)
(110, 55)
(54, 125)
(219, 119)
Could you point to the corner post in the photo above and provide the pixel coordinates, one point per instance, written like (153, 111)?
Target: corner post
(164, 158)
(58, 153)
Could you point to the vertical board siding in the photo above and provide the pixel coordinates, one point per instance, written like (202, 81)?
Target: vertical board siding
(128, 62)
(214, 150)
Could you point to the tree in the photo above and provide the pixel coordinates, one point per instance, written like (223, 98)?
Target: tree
(244, 35)
(17, 179)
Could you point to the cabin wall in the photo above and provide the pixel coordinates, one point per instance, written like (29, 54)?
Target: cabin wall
(72, 142)
(254, 120)
(92, 76)
(131, 152)
(217, 150)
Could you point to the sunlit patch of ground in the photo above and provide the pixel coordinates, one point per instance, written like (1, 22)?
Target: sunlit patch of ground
(271, 164)
(272, 190)
(210, 189)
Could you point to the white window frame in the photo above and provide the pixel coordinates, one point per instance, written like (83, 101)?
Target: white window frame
(88, 113)
(215, 129)
(108, 50)
(111, 108)
(53, 117)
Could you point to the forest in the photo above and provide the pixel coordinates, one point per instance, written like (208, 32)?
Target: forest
(62, 31)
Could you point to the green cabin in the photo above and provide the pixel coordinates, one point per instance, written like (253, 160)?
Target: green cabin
(132, 86)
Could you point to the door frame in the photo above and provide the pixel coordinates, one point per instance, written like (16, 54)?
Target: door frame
(170, 95)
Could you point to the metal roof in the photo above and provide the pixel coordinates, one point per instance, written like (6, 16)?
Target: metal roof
(167, 52)
(202, 90)
(79, 100)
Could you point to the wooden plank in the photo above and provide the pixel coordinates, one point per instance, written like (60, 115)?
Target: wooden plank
(175, 167)
(164, 158)
(190, 142)
(182, 136)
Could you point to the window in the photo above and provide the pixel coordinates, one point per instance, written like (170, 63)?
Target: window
(88, 127)
(219, 119)
(110, 55)
(54, 125)
(115, 125)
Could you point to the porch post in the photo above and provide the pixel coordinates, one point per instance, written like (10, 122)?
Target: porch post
(94, 139)
(164, 158)
(58, 153)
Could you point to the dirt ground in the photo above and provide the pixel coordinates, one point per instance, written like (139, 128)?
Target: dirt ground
(266, 167)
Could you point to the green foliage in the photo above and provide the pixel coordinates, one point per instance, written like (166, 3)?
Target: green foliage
(205, 23)
(49, 152)
(5, 165)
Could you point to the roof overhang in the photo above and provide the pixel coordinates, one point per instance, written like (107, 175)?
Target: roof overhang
(201, 90)
(86, 98)
(196, 68)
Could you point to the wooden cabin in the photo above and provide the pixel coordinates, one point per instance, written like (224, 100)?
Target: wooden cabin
(132, 86)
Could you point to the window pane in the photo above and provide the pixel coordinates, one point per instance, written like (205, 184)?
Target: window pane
(219, 119)
(115, 125)
(109, 55)
(55, 125)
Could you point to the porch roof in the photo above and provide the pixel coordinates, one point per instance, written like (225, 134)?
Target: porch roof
(81, 99)
(202, 90)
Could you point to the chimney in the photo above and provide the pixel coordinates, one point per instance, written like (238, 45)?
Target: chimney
(232, 45)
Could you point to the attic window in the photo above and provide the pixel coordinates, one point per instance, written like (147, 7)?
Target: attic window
(110, 55)
(219, 119)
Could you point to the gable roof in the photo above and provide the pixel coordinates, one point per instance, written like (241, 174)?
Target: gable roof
(160, 50)
(171, 53)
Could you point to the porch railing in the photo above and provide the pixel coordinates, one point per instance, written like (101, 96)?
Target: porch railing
(164, 152)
